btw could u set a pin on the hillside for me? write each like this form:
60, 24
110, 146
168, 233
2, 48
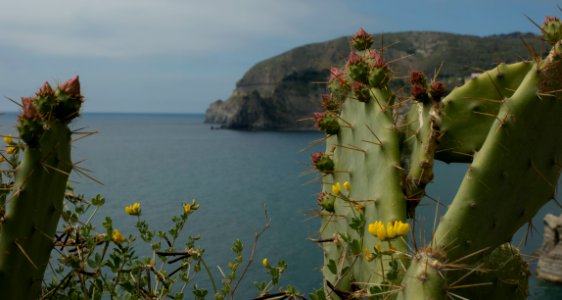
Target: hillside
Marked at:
278, 93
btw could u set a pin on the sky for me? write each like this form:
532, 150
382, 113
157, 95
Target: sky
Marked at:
178, 56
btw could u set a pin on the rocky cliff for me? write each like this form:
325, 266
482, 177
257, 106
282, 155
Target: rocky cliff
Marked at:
282, 92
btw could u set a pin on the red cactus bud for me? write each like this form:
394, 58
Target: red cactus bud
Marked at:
418, 91
320, 197
28, 112
354, 59
378, 62
437, 90
362, 40
549, 19
357, 85
337, 75
552, 30
71, 87
45, 90
318, 116
417, 77
316, 156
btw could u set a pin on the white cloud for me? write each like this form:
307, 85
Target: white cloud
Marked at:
145, 27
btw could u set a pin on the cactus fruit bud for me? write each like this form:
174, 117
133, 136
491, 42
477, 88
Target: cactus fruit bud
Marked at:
329, 103
322, 162
28, 109
437, 90
326, 201
337, 75
69, 100
358, 68
71, 87
362, 40
552, 30
378, 62
419, 92
30, 127
417, 77
45, 91
360, 91
326, 122
337, 84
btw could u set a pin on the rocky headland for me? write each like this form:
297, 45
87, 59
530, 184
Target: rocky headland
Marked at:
282, 92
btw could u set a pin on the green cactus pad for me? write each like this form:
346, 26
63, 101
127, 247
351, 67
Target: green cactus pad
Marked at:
514, 173
366, 154
470, 110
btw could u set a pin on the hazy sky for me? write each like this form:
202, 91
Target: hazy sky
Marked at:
180, 55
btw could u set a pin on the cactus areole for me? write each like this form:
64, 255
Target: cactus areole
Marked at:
35, 203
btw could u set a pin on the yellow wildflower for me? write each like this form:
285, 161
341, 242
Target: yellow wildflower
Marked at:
347, 185
187, 208
8, 139
374, 227
368, 255
378, 247
336, 188
133, 209
381, 233
117, 237
11, 150
265, 262
402, 228
390, 230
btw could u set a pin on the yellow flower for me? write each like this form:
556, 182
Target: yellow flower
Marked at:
402, 228
187, 208
117, 237
11, 150
133, 209
265, 262
381, 233
374, 227
336, 188
378, 247
368, 255
347, 185
8, 139
390, 230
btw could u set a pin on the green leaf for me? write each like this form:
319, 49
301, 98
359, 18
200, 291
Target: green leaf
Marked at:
332, 266
98, 200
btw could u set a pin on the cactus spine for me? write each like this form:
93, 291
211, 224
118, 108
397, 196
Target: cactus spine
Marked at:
34, 206
505, 123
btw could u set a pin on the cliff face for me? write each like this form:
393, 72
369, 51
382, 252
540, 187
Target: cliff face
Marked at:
282, 92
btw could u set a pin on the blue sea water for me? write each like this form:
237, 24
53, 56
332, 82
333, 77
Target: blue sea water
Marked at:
164, 160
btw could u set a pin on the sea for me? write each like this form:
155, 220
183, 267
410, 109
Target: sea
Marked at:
242, 180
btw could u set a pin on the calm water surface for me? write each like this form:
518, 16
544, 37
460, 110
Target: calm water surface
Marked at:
162, 161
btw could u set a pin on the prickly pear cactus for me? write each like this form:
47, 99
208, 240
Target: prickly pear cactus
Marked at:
33, 207
505, 123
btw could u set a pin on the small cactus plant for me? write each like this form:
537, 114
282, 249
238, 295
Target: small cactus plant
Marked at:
34, 206
505, 123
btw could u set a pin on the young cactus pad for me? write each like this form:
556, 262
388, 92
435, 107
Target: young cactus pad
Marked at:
34, 206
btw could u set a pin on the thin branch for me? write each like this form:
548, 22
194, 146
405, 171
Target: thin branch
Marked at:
252, 253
